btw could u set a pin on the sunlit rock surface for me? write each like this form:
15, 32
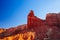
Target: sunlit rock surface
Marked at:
2, 30
35, 29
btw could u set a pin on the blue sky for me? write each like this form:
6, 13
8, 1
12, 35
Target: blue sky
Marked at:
14, 12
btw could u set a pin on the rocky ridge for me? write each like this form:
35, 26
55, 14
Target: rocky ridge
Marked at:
35, 29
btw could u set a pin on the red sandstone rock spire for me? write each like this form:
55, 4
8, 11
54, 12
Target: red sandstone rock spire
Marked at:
30, 18
33, 21
31, 13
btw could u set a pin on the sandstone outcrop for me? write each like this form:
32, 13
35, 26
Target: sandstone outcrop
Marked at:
2, 30
35, 29
53, 19
33, 20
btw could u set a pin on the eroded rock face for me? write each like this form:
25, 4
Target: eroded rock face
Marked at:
2, 30
35, 29
33, 20
58, 16
53, 19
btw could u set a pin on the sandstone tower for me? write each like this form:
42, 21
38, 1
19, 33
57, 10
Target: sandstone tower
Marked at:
33, 21
30, 19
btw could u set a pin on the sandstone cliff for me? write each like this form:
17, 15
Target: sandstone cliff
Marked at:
35, 29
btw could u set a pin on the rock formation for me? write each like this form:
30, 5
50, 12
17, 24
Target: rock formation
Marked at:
35, 29
33, 20
53, 19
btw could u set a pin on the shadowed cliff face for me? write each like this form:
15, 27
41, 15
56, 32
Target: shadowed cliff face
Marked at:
35, 29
